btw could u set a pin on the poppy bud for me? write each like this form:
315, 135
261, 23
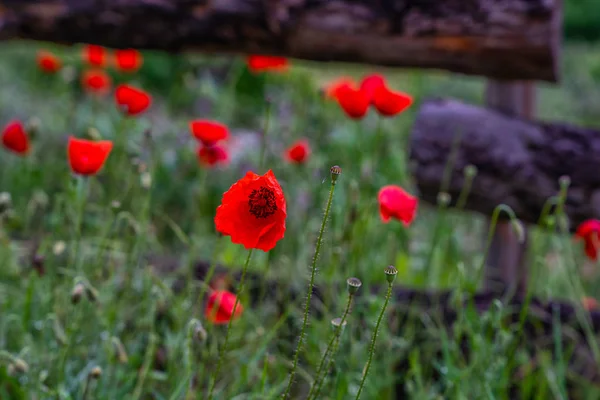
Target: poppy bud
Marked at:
146, 180
470, 171
59, 247
91, 292
390, 273
119, 350
59, 332
519, 230
200, 333
5, 202
337, 322
96, 372
18, 366
336, 171
77, 293
564, 182
353, 285
443, 199
32, 127
93, 133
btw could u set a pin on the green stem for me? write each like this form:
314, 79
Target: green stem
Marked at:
263, 147
81, 194
319, 380
149, 357
313, 272
224, 347
374, 339
211, 271
189, 358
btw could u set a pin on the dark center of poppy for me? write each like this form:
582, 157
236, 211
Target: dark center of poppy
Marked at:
262, 202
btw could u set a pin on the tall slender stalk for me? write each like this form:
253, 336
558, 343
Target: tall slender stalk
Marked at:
224, 347
335, 173
390, 274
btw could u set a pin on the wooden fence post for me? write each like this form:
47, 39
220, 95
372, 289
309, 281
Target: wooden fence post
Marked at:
506, 267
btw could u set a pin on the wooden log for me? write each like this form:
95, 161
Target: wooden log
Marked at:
506, 260
516, 39
519, 161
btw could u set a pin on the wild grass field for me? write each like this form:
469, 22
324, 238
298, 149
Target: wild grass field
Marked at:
99, 296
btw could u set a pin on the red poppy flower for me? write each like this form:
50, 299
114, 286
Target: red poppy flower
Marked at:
589, 231
87, 157
590, 303
48, 62
132, 101
219, 308
257, 63
128, 60
94, 55
331, 90
209, 132
298, 153
370, 83
253, 212
96, 81
389, 103
396, 203
14, 138
354, 102
212, 155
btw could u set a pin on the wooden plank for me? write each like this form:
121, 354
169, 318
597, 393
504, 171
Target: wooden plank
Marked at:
519, 161
514, 39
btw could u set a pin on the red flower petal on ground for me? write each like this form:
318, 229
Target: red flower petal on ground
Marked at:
131, 100
589, 231
48, 62
14, 138
94, 55
253, 212
96, 81
395, 202
354, 102
298, 153
219, 308
87, 157
370, 83
389, 103
258, 63
209, 132
332, 89
128, 60
212, 155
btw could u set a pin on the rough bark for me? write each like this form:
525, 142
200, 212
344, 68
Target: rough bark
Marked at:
517, 39
519, 162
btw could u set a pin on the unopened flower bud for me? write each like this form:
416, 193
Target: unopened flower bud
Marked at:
96, 372
119, 349
200, 333
336, 171
19, 366
443, 199
5, 202
38, 264
77, 293
59, 247
146, 180
337, 322
94, 133
564, 182
390, 273
353, 285
91, 292
32, 127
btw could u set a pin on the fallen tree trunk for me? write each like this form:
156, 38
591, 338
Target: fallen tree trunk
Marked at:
516, 39
519, 162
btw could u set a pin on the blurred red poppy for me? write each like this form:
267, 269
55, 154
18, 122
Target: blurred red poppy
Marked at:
396, 203
298, 153
389, 103
212, 155
208, 132
131, 100
219, 307
258, 63
253, 212
354, 102
128, 60
95, 55
87, 157
589, 231
96, 81
331, 90
48, 62
590, 303
370, 83
14, 138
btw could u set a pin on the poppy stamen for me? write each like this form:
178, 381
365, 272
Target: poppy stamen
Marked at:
262, 202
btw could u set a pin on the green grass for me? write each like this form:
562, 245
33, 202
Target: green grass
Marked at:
125, 223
